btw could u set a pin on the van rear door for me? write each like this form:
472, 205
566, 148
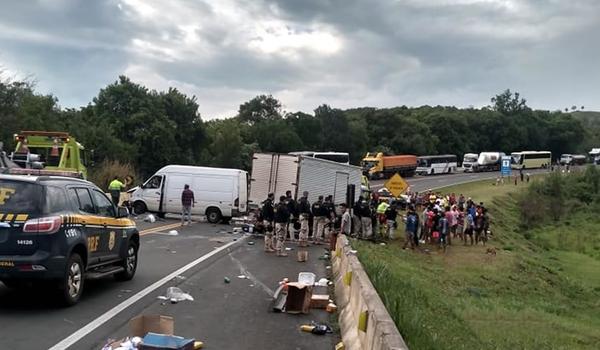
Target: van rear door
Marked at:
242, 195
19, 201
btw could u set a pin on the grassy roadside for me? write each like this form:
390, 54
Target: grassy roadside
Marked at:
531, 295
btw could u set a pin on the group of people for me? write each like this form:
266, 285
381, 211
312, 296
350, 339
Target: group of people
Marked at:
430, 218
282, 220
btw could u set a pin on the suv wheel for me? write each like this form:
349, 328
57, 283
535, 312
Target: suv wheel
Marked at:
72, 283
213, 215
129, 264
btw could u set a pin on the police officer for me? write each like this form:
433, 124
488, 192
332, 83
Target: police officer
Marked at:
115, 188
268, 215
282, 219
293, 210
365, 219
304, 212
319, 220
329, 216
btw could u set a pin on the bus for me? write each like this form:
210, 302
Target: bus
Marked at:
531, 159
338, 157
442, 164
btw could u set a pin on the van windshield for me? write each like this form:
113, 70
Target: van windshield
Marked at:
18, 197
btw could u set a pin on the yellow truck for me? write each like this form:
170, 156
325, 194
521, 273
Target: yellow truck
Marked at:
379, 166
47, 153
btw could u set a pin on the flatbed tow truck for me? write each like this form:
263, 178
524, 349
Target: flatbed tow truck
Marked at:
44, 153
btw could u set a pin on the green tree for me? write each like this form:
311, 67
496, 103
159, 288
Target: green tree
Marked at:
260, 108
508, 103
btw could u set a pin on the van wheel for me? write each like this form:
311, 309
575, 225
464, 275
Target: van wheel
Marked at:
432, 171
72, 283
139, 208
213, 215
129, 264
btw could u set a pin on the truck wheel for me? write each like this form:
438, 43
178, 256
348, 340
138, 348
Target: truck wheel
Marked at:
213, 215
432, 171
72, 283
139, 208
129, 263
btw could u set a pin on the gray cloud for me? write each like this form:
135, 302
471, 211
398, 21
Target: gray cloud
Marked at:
346, 53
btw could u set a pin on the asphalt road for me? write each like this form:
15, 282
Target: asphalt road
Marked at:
223, 316
424, 183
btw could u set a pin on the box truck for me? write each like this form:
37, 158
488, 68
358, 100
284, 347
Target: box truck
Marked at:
379, 166
218, 193
278, 173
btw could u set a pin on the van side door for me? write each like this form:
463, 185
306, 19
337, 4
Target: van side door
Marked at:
152, 193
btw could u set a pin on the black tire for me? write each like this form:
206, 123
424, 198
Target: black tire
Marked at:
139, 208
129, 263
161, 215
213, 215
71, 286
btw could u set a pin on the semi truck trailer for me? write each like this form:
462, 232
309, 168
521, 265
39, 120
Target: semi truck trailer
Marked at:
379, 166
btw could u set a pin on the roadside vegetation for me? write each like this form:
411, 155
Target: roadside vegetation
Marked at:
540, 291
147, 129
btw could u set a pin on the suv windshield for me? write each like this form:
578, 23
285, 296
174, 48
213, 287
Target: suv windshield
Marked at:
19, 197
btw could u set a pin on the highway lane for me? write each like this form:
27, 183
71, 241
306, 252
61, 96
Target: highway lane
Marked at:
424, 183
223, 315
31, 319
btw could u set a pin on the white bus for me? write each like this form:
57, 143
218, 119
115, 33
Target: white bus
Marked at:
531, 159
338, 157
442, 164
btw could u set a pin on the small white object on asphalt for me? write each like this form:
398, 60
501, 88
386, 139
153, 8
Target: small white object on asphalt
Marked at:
175, 295
328, 267
173, 233
323, 282
150, 218
242, 276
288, 248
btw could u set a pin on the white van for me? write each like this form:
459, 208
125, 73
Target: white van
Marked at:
219, 193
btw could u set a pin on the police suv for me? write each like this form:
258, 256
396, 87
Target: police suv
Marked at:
62, 230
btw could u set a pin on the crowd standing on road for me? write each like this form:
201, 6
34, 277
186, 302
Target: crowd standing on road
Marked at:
431, 218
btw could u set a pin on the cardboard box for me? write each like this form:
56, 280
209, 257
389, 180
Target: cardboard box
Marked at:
319, 301
140, 325
298, 298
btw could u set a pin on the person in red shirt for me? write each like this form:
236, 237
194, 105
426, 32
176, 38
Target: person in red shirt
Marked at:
187, 202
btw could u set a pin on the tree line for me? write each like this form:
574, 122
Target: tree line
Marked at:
131, 124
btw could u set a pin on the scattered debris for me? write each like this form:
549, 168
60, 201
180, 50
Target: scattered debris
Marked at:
316, 328
150, 218
242, 277
302, 256
328, 267
226, 280
319, 301
175, 295
323, 282
331, 308
382, 243
250, 242
307, 278
288, 248
179, 277
173, 233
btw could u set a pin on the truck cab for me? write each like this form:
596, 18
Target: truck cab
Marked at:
469, 161
372, 164
48, 153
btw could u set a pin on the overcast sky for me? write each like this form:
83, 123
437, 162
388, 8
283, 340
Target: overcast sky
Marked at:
345, 53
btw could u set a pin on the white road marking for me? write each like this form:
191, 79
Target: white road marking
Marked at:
90, 327
251, 277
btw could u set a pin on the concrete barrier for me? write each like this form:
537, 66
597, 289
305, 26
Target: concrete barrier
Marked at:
364, 321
